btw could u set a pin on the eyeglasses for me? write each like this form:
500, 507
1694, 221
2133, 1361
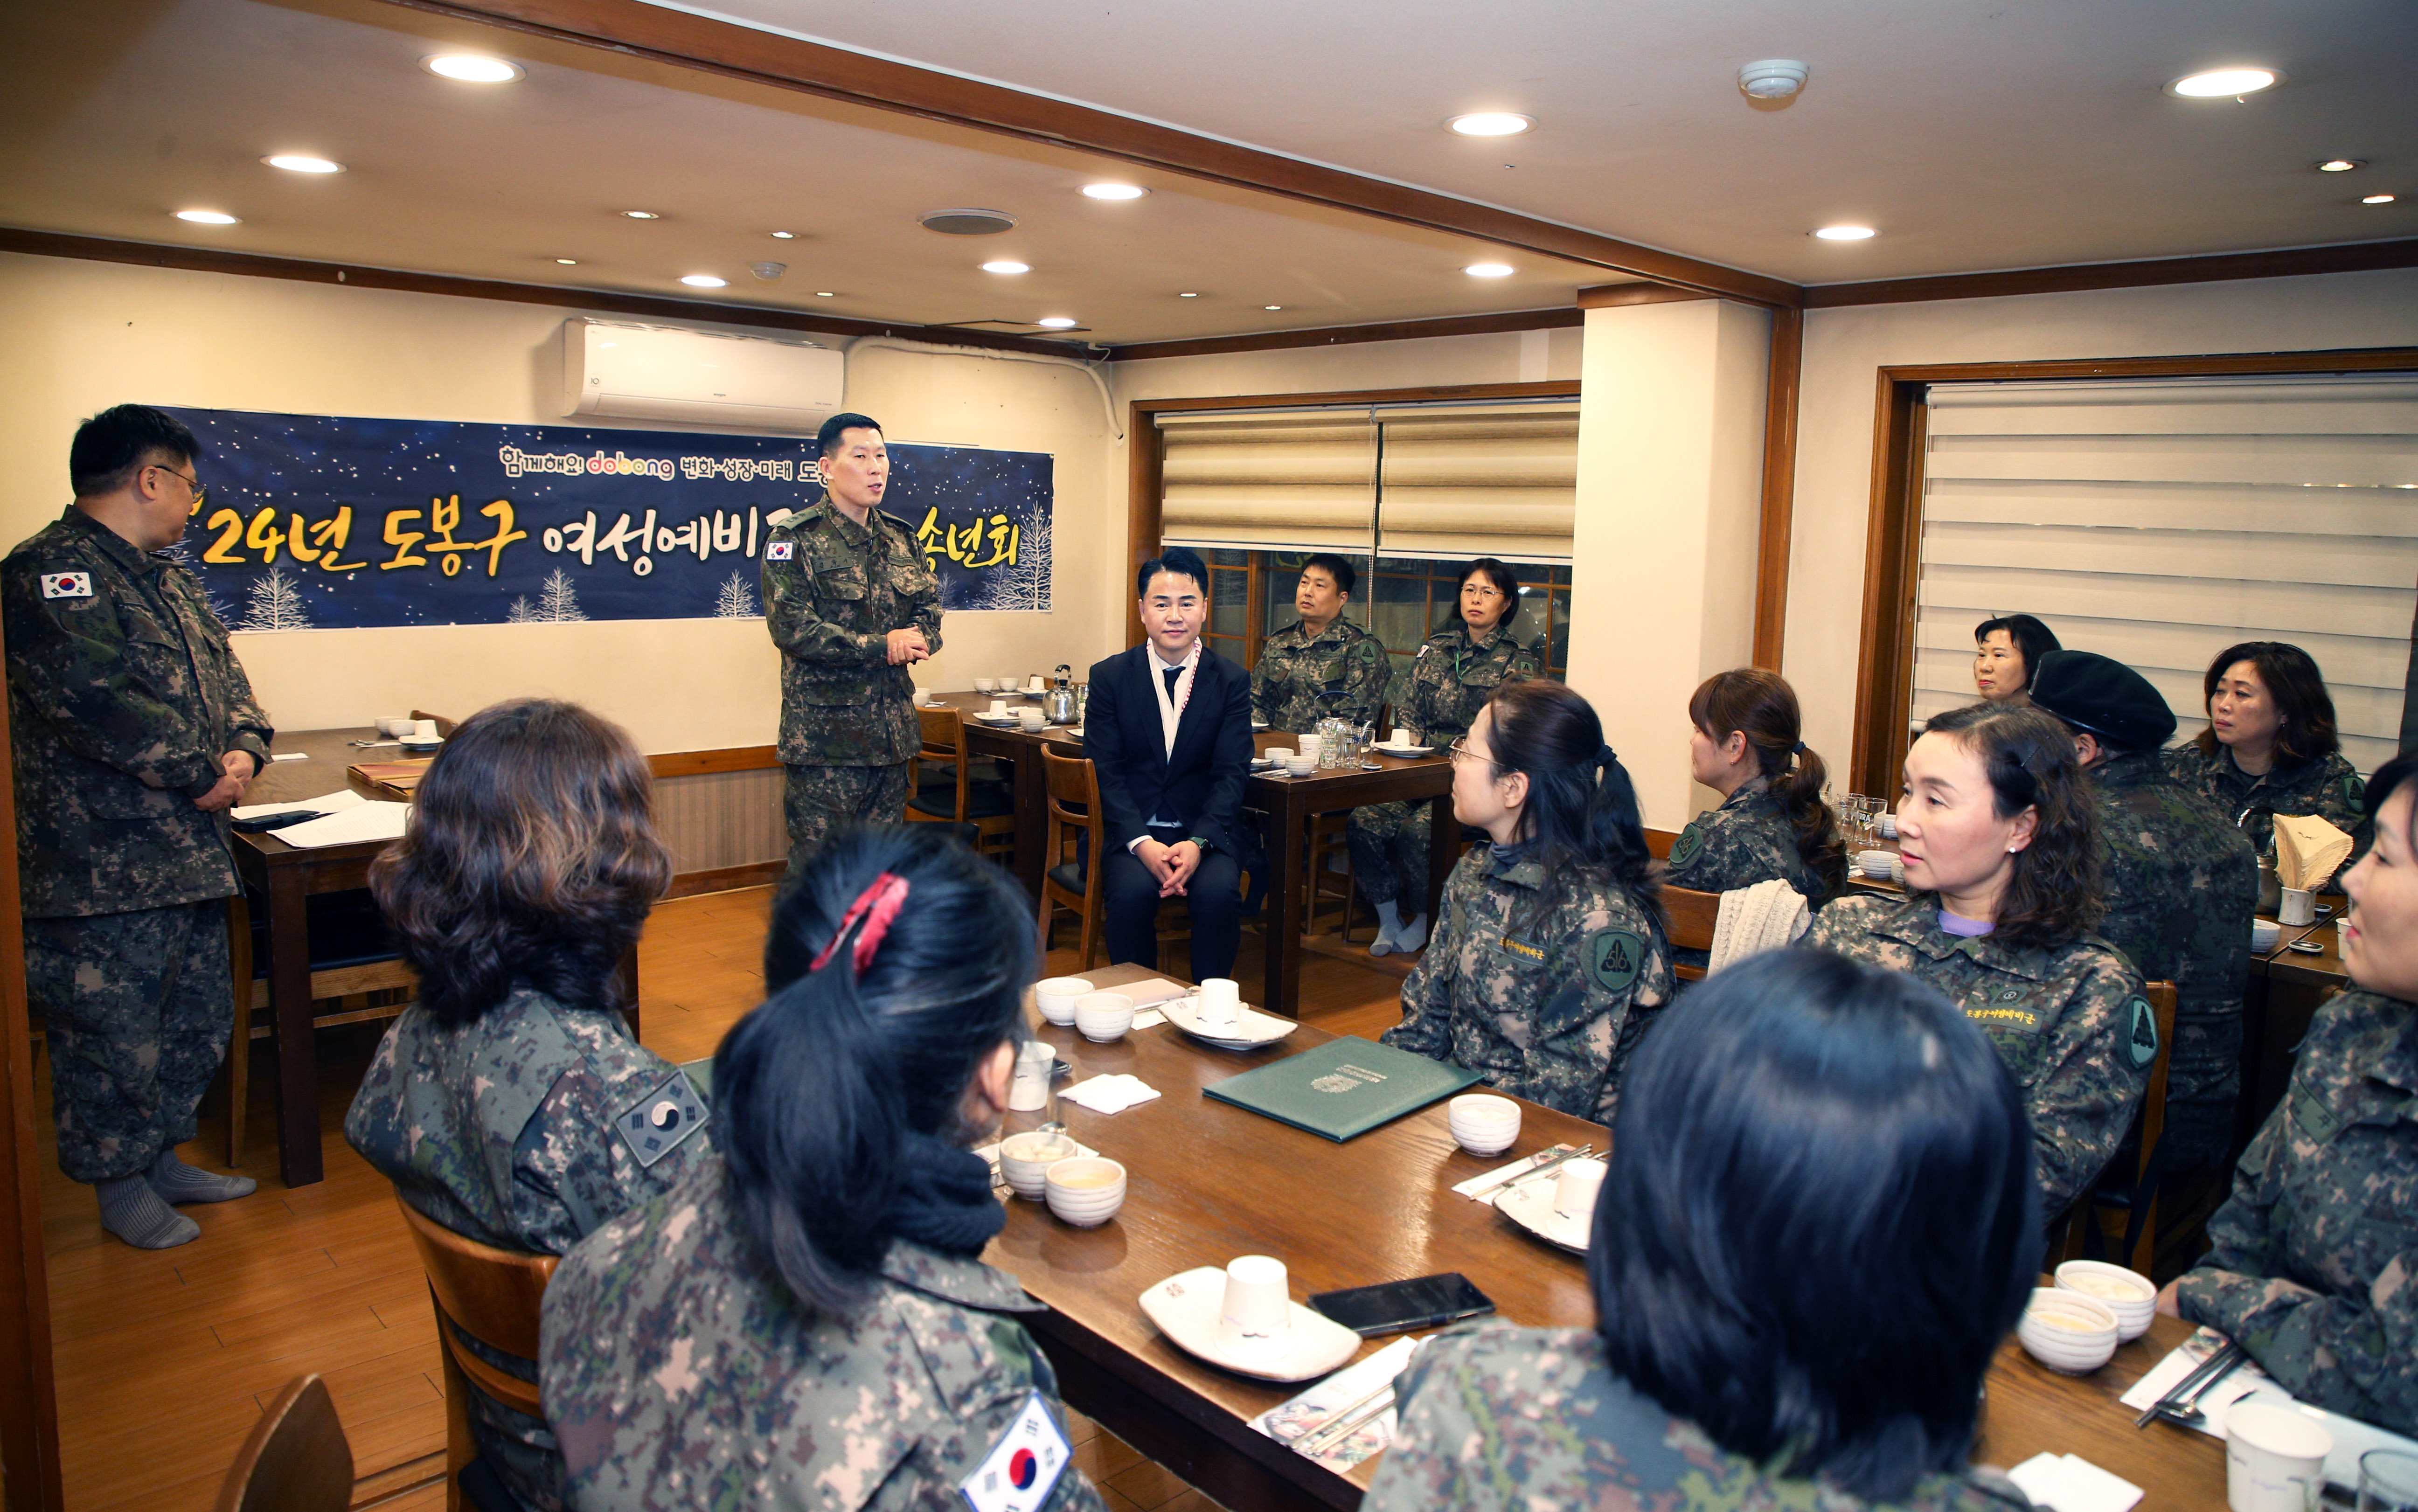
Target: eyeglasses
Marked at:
199, 491
1479, 590
1460, 751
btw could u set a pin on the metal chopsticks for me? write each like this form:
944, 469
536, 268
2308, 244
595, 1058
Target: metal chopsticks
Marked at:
1538, 1164
2204, 1375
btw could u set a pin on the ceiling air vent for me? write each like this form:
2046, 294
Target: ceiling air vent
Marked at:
966, 223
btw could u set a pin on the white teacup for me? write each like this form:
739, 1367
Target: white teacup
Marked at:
1056, 997
1257, 1317
391, 725
1279, 753
1575, 1189
425, 729
1025, 1160
2298, 906
999, 707
1033, 719
1104, 1016
1309, 743
1401, 736
1221, 1002
984, 684
2274, 1458
1085, 1190
1034, 683
1483, 1123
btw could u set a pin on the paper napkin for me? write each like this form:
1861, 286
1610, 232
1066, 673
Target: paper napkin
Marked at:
1289, 1422
2073, 1484
2307, 849
1111, 1094
1149, 1019
323, 804
1477, 1189
1158, 990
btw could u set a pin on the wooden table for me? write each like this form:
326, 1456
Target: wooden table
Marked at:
1208, 1182
1290, 803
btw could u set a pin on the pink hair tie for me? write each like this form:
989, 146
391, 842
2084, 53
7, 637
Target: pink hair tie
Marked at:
877, 906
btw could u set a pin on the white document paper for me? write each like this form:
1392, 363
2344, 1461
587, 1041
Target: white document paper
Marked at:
342, 798
349, 826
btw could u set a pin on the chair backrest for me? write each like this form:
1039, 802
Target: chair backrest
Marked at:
1694, 916
943, 732
491, 1294
297, 1457
1074, 786
2153, 1102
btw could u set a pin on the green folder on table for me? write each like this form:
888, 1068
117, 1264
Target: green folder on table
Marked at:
1343, 1088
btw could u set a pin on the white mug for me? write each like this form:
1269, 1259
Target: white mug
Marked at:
1257, 1317
1403, 736
1221, 1002
1310, 743
1575, 1189
2299, 906
2274, 1458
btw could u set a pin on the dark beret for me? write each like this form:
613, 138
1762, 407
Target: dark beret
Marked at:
2103, 697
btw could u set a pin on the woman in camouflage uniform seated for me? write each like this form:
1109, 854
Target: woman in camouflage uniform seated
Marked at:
1747, 744
2000, 834
807, 1321
2312, 1265
1455, 672
511, 1104
1819, 1224
1550, 958
2270, 747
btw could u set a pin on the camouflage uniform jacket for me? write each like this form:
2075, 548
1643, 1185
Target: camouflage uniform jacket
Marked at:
122, 697
511, 1130
1498, 1418
2070, 1023
1453, 676
2328, 786
680, 1372
1745, 841
833, 591
2315, 1268
1544, 995
1341, 673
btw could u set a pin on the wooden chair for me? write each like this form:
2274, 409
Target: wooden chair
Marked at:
1320, 885
988, 806
1067, 882
348, 965
2113, 1219
492, 1295
1694, 916
297, 1457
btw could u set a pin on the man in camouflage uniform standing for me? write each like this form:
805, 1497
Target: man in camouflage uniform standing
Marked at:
133, 730
851, 605
1323, 665
2181, 884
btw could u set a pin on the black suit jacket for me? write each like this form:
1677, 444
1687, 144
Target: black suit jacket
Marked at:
1202, 785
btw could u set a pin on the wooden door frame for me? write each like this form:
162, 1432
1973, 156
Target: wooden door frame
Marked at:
1893, 533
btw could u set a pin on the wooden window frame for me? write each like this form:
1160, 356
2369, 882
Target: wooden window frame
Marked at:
1893, 535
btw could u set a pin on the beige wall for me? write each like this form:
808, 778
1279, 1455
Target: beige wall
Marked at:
1845, 348
83, 336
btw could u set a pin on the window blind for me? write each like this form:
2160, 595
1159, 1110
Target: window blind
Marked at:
2159, 521
1478, 481
1301, 480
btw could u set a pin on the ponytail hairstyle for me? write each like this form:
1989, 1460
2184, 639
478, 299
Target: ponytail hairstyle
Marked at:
2054, 897
1763, 707
1582, 809
531, 858
896, 966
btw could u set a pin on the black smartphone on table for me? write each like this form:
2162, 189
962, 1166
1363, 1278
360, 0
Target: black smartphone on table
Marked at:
1398, 1306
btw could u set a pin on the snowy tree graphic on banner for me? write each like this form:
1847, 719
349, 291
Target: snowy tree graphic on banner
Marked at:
1023, 584
276, 605
558, 602
737, 599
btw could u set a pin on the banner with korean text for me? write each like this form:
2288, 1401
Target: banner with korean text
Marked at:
321, 522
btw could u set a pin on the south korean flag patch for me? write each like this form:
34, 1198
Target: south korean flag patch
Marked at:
67, 584
661, 1122
779, 550
1023, 1467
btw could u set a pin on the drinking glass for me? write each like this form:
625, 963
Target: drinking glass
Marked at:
2388, 1481
1362, 739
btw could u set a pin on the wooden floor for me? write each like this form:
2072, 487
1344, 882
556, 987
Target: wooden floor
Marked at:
165, 1358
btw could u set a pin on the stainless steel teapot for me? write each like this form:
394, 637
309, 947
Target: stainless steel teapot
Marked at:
1058, 703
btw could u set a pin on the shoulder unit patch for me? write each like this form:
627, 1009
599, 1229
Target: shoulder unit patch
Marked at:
1613, 958
2141, 1039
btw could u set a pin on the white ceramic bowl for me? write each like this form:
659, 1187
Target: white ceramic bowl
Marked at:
2130, 1296
1056, 997
1482, 1123
2082, 1340
1300, 766
1025, 1174
2264, 933
1278, 754
1085, 1206
1103, 1016
984, 684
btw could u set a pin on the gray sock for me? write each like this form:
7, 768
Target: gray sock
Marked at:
135, 1213
176, 1182
1412, 936
1389, 923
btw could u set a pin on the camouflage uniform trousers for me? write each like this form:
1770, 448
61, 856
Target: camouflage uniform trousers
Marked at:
138, 1008
819, 801
1389, 843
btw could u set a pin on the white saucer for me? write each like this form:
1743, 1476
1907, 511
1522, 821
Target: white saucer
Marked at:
1263, 763
1250, 1031
1531, 1208
1186, 1307
1403, 750
1259, 724
995, 718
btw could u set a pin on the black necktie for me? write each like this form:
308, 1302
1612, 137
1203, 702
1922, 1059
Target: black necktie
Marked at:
1172, 673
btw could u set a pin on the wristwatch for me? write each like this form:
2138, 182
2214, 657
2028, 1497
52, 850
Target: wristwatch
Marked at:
1201, 840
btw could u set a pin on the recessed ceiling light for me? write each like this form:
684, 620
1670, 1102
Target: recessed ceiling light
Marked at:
469, 67
1270, 307
295, 163
1491, 123
703, 280
1114, 191
1845, 233
568, 262
1006, 265
2220, 84
2341, 165
642, 215
208, 217
1056, 322
1190, 294
1489, 270
785, 236
2377, 199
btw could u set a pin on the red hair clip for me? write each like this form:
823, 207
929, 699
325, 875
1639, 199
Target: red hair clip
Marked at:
877, 906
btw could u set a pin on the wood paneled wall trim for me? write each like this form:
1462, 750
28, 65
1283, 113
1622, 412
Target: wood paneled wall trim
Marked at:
699, 763
694, 41
2352, 257
1901, 414
1613, 296
351, 276
1392, 330
1779, 487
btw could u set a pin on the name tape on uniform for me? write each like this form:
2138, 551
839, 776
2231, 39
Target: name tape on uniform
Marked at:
1023, 1467
67, 584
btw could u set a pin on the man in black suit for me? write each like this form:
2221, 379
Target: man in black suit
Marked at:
1169, 732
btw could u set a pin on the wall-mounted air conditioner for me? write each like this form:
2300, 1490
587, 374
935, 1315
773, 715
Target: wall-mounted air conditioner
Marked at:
662, 372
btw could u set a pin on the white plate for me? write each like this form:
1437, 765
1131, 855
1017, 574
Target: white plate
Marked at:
995, 718
1248, 1033
1403, 750
1531, 1208
1259, 724
1184, 1307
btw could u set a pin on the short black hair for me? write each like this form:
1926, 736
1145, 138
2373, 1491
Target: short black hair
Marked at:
1179, 559
1820, 1219
1345, 576
110, 447
2032, 638
827, 440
